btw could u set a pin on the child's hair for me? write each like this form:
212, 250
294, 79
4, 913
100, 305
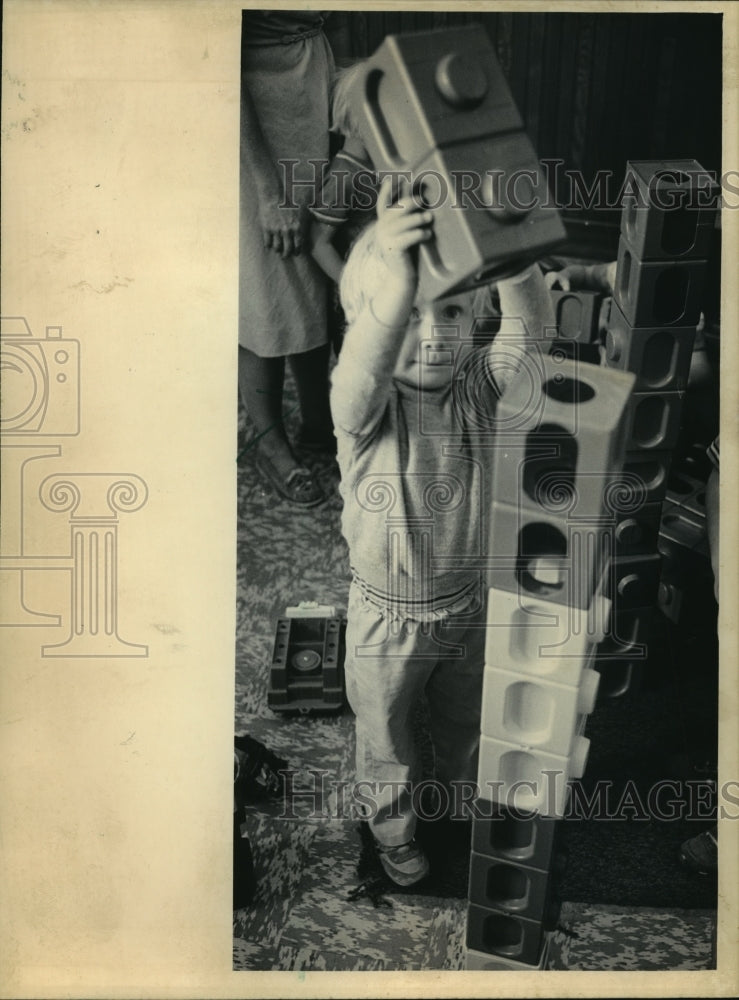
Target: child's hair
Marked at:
358, 275
341, 105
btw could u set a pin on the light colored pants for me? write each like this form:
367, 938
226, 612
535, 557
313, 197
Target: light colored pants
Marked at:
389, 666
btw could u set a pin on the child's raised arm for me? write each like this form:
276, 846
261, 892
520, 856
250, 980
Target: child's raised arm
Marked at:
527, 312
381, 282
324, 252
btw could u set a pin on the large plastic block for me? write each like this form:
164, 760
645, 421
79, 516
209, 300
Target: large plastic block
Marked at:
517, 837
527, 778
480, 961
424, 90
658, 293
436, 104
541, 638
632, 581
307, 671
683, 542
659, 356
636, 533
669, 209
512, 888
505, 934
619, 678
688, 493
684, 528
670, 599
645, 475
474, 244
544, 555
653, 420
576, 315
533, 712
628, 635
561, 436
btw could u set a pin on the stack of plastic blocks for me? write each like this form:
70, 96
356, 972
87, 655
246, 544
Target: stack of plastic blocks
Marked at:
683, 541
551, 529
667, 225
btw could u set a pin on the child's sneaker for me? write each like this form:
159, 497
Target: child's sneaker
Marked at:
405, 864
700, 853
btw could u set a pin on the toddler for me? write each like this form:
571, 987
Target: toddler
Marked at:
414, 432
349, 191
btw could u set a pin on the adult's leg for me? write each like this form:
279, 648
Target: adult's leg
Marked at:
260, 384
310, 370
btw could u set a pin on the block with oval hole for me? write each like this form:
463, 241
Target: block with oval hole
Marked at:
542, 638
533, 712
576, 315
517, 837
653, 420
506, 935
511, 888
684, 530
543, 555
528, 778
645, 473
437, 105
689, 494
658, 356
637, 532
658, 293
669, 209
628, 634
561, 434
430, 89
632, 581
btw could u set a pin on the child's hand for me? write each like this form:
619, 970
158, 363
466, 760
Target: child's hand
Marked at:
579, 277
401, 225
568, 279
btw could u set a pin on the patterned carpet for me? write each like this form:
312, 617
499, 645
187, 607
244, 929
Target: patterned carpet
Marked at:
307, 865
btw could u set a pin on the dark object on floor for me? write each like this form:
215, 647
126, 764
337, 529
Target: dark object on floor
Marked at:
307, 672
257, 772
244, 879
298, 487
700, 853
257, 777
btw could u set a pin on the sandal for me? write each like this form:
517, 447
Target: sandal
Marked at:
298, 487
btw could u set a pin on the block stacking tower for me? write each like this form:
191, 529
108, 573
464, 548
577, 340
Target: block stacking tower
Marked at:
551, 533
436, 106
667, 225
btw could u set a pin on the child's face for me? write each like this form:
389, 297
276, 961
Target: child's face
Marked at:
439, 333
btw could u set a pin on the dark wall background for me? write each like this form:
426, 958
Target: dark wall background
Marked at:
595, 90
